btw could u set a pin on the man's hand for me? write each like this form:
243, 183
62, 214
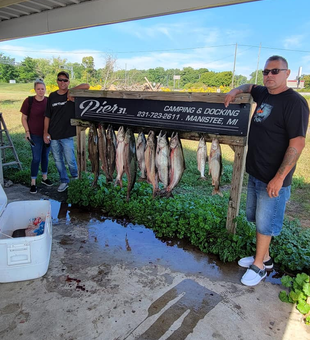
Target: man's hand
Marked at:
231, 96
47, 138
69, 97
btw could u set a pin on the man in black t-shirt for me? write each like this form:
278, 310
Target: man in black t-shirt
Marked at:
276, 140
58, 130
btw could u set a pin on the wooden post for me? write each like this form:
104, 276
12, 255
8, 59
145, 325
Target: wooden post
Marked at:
81, 154
236, 187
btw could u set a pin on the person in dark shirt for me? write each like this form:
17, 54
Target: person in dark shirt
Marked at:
276, 139
33, 109
58, 130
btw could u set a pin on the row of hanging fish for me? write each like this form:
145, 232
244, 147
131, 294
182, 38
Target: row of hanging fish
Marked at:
215, 162
157, 159
160, 161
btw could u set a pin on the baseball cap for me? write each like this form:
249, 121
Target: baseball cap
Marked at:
63, 73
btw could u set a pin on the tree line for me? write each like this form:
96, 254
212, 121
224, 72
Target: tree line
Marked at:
189, 78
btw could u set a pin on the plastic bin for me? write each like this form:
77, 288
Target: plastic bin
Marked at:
23, 258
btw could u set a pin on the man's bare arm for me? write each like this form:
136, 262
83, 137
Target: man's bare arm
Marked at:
292, 154
231, 95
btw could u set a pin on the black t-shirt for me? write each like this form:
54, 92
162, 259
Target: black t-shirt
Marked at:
277, 119
60, 111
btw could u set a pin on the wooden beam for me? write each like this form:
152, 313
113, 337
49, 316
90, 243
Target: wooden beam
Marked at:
169, 96
236, 188
81, 149
229, 140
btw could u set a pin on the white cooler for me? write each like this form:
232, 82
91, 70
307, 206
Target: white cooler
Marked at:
23, 258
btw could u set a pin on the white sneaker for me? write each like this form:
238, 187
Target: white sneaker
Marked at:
246, 262
62, 187
253, 276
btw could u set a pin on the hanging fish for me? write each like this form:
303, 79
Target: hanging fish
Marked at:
120, 145
149, 156
130, 160
102, 146
215, 166
177, 164
93, 152
202, 157
111, 153
140, 147
162, 158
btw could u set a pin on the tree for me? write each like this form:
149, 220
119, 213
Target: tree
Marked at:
240, 80
89, 65
259, 78
156, 75
78, 70
189, 75
8, 69
43, 67
106, 75
306, 78
208, 78
27, 70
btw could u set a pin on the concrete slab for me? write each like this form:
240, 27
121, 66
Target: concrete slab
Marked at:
112, 282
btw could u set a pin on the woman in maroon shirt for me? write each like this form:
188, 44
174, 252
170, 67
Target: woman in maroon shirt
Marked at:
33, 122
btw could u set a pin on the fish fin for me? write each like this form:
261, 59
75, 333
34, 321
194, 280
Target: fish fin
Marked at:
217, 192
118, 182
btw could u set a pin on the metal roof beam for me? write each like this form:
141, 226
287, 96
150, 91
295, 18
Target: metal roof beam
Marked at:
96, 13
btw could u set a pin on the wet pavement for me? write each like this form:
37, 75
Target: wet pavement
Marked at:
111, 280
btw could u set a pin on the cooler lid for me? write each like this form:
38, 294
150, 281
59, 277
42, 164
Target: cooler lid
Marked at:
3, 200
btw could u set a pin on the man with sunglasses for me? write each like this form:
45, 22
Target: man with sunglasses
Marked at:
276, 139
58, 130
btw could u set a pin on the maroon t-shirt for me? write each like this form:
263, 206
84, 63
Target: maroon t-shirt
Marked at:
36, 116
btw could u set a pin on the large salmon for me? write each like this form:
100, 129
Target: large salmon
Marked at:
102, 146
130, 160
140, 146
93, 153
177, 164
120, 144
149, 156
111, 153
202, 157
162, 158
215, 166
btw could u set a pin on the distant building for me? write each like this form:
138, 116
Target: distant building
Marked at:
294, 84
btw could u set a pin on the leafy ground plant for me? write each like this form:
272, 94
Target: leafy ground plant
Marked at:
299, 293
199, 219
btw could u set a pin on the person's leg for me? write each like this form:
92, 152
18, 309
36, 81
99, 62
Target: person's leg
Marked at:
269, 219
36, 157
255, 193
262, 250
68, 148
44, 160
57, 151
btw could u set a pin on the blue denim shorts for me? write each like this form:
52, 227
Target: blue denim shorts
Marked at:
266, 212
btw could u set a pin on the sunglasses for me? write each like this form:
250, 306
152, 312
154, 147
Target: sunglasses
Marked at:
64, 80
273, 71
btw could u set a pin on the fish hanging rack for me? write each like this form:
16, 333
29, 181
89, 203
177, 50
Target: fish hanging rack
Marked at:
191, 114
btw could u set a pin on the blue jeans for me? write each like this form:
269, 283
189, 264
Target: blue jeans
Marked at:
39, 155
63, 149
266, 212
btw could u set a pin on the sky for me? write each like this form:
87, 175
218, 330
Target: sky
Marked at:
244, 35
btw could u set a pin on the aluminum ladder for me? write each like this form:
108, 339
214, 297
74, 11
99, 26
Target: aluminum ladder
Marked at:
6, 143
